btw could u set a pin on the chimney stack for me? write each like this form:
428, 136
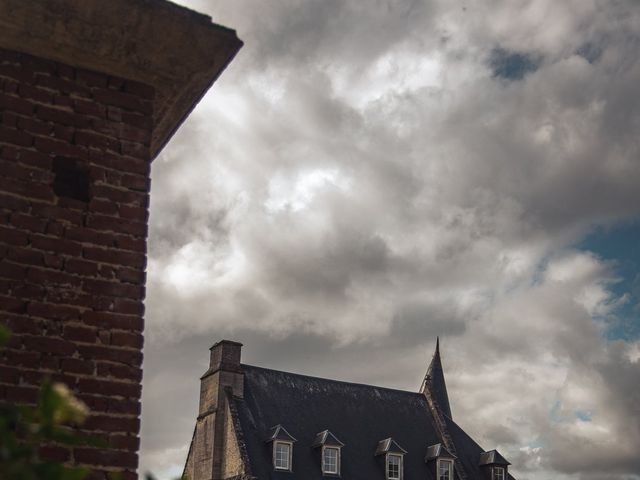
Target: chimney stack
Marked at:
224, 373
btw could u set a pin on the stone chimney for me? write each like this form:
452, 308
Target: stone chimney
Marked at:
224, 373
206, 459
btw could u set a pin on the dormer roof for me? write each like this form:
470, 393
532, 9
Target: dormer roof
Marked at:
492, 457
280, 433
389, 445
326, 439
437, 451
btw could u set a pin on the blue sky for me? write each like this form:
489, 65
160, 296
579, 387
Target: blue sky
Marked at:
620, 245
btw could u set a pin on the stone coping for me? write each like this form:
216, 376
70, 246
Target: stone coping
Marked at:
177, 51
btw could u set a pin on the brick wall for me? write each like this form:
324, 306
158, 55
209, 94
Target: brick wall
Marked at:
74, 183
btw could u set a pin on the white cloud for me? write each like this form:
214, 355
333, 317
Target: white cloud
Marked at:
358, 182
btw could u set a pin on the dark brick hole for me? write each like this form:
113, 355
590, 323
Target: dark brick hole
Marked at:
71, 179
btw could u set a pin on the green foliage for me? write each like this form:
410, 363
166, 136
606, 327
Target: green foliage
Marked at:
24, 428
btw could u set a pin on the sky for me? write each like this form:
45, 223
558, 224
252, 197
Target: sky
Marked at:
366, 176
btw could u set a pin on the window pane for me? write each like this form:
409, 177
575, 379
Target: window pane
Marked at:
282, 453
393, 466
444, 472
330, 460
498, 473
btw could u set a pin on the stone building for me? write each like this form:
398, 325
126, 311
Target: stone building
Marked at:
257, 423
90, 92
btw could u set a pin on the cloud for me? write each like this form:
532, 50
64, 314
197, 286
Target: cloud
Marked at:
361, 179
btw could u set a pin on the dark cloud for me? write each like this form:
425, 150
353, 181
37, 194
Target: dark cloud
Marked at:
360, 180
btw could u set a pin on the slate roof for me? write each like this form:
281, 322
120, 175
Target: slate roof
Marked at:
359, 415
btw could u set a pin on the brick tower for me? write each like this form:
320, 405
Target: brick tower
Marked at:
90, 92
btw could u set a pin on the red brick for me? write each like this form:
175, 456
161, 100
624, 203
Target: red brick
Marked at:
123, 100
127, 339
62, 101
57, 213
131, 275
81, 267
89, 107
97, 352
55, 229
62, 85
112, 424
25, 173
59, 147
21, 394
75, 365
12, 305
95, 140
64, 247
102, 206
54, 453
49, 345
28, 222
124, 442
10, 375
107, 458
28, 291
113, 320
22, 324
120, 195
34, 126
57, 312
136, 182
23, 359
25, 256
52, 277
13, 203
126, 242
63, 133
116, 289
17, 137
36, 159
125, 407
10, 119
80, 334
15, 104
12, 270
13, 236
118, 225
109, 387
115, 257
35, 93
60, 116
26, 189
86, 235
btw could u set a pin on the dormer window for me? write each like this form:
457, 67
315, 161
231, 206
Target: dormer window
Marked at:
331, 460
394, 466
282, 448
440, 459
394, 457
330, 448
282, 455
445, 469
494, 465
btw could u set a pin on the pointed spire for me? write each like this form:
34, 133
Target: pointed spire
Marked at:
434, 381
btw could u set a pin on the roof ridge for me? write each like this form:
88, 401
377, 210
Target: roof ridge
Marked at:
344, 382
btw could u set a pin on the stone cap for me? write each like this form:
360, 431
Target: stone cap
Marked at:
177, 51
